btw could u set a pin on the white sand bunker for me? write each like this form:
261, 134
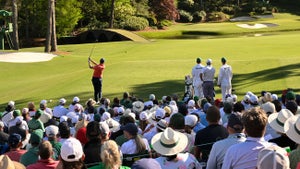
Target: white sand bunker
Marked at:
257, 25
25, 57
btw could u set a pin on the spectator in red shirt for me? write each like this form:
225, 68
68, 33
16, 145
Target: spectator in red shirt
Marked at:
15, 144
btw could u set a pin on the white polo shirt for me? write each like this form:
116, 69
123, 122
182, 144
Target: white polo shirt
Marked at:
129, 147
244, 155
59, 111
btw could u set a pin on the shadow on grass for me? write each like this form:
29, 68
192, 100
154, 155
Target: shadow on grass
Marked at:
201, 33
170, 87
250, 79
160, 89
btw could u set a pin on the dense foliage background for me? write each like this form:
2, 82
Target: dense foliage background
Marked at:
75, 16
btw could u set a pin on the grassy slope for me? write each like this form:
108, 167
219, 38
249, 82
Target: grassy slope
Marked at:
259, 63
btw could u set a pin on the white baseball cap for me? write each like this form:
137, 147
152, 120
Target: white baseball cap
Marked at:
76, 99
71, 150
268, 107
63, 119
143, 116
274, 97
273, 157
11, 103
151, 97
160, 113
43, 102
121, 110
190, 120
1, 124
105, 116
191, 103
62, 100
51, 130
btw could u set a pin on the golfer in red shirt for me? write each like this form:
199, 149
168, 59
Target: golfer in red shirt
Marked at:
97, 77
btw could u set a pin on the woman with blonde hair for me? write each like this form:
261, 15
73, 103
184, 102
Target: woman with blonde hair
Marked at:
111, 157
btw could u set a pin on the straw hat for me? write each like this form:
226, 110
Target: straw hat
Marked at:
162, 124
277, 120
292, 128
7, 163
169, 142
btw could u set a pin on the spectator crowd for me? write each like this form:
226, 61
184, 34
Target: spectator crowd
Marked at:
196, 132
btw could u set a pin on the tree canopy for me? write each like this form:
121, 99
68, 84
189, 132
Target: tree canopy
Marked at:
74, 16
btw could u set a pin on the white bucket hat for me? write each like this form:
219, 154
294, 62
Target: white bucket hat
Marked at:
292, 128
137, 106
169, 142
277, 120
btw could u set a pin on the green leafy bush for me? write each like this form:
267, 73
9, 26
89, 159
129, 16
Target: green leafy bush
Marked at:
135, 23
186, 5
185, 16
218, 17
199, 16
164, 23
228, 10
152, 21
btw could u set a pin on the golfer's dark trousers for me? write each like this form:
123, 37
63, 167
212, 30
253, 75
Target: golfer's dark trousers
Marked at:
97, 83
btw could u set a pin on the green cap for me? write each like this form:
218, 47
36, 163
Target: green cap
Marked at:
17, 113
223, 59
39, 112
198, 60
196, 98
97, 117
290, 95
36, 136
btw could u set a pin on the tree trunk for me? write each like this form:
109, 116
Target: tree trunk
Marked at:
49, 28
53, 36
112, 11
15, 37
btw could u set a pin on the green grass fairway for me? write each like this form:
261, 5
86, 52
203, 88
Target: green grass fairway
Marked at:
268, 63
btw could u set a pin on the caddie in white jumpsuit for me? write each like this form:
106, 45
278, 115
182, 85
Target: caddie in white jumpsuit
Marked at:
224, 78
197, 82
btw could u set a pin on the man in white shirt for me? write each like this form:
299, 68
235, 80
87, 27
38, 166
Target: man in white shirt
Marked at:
235, 129
244, 155
60, 110
224, 78
8, 113
207, 76
197, 82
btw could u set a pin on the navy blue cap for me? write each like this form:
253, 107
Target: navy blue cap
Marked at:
14, 139
131, 128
